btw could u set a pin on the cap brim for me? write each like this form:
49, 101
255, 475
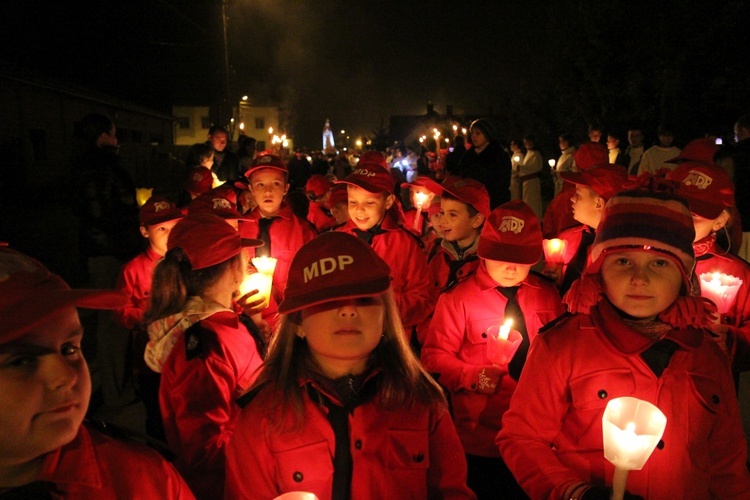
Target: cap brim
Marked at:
505, 252
163, 219
372, 188
250, 171
365, 289
575, 178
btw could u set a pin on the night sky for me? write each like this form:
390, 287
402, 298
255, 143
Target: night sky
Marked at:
360, 62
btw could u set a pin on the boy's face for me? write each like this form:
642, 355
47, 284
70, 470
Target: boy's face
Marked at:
340, 212
158, 235
367, 209
704, 227
641, 284
587, 206
46, 387
269, 187
507, 273
457, 224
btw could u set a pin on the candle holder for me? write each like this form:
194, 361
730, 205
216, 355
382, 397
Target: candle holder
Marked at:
502, 344
721, 289
142, 195
420, 199
554, 250
631, 429
261, 280
297, 495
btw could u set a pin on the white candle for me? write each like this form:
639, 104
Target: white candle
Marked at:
721, 289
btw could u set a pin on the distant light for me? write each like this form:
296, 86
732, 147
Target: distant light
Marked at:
231, 120
345, 149
285, 143
270, 130
359, 143
343, 131
447, 140
242, 125
551, 163
244, 98
719, 142
455, 127
463, 131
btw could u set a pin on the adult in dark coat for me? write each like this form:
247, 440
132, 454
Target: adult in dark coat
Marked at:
226, 163
487, 162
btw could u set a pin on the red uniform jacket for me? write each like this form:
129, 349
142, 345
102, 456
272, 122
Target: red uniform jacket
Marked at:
456, 348
135, 282
287, 233
552, 435
213, 363
406, 453
318, 218
738, 318
411, 285
97, 466
559, 213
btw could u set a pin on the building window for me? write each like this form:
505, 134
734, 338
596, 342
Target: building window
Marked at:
205, 122
183, 122
260, 123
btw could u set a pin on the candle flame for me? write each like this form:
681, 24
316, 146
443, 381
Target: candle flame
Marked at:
505, 329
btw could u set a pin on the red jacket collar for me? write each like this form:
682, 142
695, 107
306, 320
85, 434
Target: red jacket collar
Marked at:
73, 464
285, 212
630, 341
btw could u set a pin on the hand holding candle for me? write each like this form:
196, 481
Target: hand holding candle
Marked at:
721, 289
502, 343
631, 429
261, 280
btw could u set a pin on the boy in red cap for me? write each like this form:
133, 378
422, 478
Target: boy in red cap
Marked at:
157, 217
710, 195
456, 345
318, 190
592, 190
370, 192
338, 204
205, 354
199, 181
420, 195
221, 201
45, 449
342, 408
273, 222
635, 330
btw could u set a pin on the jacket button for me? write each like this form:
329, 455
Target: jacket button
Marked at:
715, 399
358, 444
298, 477
484, 335
602, 394
418, 458
660, 444
473, 386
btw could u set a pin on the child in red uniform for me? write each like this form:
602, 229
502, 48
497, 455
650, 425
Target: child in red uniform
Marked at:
45, 451
635, 331
318, 190
421, 190
157, 216
338, 204
342, 408
456, 345
370, 191
273, 222
710, 194
206, 356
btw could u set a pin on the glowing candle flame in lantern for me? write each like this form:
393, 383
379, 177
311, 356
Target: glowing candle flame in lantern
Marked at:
721, 289
551, 163
516, 158
502, 343
631, 429
554, 250
262, 280
142, 195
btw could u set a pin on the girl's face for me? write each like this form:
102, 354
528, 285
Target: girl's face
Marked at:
46, 387
641, 284
507, 273
367, 209
341, 334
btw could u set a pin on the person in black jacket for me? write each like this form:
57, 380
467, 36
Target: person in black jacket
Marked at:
487, 162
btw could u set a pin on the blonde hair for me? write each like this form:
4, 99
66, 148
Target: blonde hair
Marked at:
401, 381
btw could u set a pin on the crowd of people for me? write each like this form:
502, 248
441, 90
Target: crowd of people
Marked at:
377, 366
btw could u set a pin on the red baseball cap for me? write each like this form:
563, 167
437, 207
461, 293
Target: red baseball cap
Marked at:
702, 150
707, 188
338, 195
423, 182
199, 180
373, 158
221, 201
334, 266
606, 180
267, 161
511, 233
318, 185
207, 240
157, 210
371, 177
30, 295
591, 154
469, 191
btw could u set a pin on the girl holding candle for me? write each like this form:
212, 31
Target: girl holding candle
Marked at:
635, 330
456, 347
342, 408
710, 193
206, 356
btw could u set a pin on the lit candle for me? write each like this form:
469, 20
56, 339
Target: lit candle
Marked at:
420, 199
631, 429
142, 195
721, 289
502, 343
554, 250
262, 280
551, 163
516, 159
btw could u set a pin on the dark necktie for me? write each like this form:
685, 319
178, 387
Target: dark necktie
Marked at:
513, 310
264, 227
577, 264
369, 234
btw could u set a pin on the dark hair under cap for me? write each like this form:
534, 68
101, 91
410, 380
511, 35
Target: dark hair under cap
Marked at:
485, 127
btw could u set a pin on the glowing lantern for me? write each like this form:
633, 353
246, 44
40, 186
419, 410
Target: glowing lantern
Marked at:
262, 280
554, 250
721, 289
142, 195
502, 343
631, 429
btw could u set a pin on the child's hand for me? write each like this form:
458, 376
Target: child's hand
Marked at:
251, 303
722, 337
489, 378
